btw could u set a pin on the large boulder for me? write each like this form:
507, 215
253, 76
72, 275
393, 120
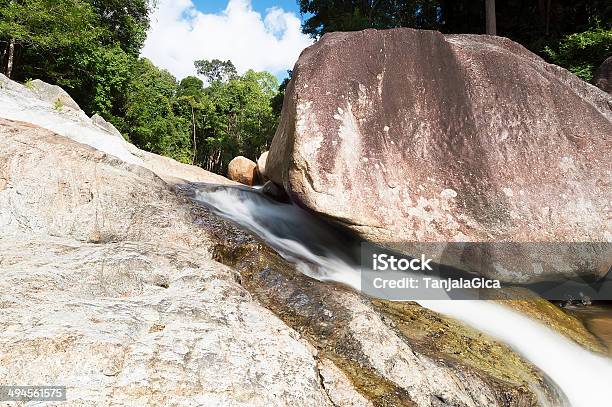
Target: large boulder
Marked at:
242, 170
603, 76
261, 167
53, 94
408, 135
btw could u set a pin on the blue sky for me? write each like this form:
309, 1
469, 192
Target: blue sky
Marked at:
263, 35
216, 6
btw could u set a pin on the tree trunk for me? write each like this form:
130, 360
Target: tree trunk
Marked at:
491, 19
547, 18
2, 57
194, 136
11, 56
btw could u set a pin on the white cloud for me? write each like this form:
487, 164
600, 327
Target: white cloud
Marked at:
180, 34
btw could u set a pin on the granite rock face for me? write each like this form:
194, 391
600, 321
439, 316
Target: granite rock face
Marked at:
107, 286
434, 138
107, 279
141, 325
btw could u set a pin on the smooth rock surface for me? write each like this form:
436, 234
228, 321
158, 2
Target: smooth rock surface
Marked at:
51, 185
54, 95
444, 138
107, 286
261, 167
109, 127
18, 102
242, 170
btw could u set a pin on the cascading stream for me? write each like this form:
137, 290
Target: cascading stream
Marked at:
325, 253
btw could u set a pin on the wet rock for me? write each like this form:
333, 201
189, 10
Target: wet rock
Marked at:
548, 314
397, 354
242, 170
434, 138
598, 319
275, 192
603, 76
339, 387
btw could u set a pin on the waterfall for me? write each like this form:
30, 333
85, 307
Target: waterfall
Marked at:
322, 252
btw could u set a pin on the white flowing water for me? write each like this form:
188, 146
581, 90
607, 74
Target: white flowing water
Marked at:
584, 377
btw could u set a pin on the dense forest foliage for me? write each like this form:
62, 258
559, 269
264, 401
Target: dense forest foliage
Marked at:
91, 48
203, 125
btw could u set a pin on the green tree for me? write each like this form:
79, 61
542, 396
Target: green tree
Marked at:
101, 89
233, 115
86, 46
45, 27
193, 103
150, 119
216, 70
571, 33
351, 15
532, 23
241, 121
191, 86
126, 22
582, 53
